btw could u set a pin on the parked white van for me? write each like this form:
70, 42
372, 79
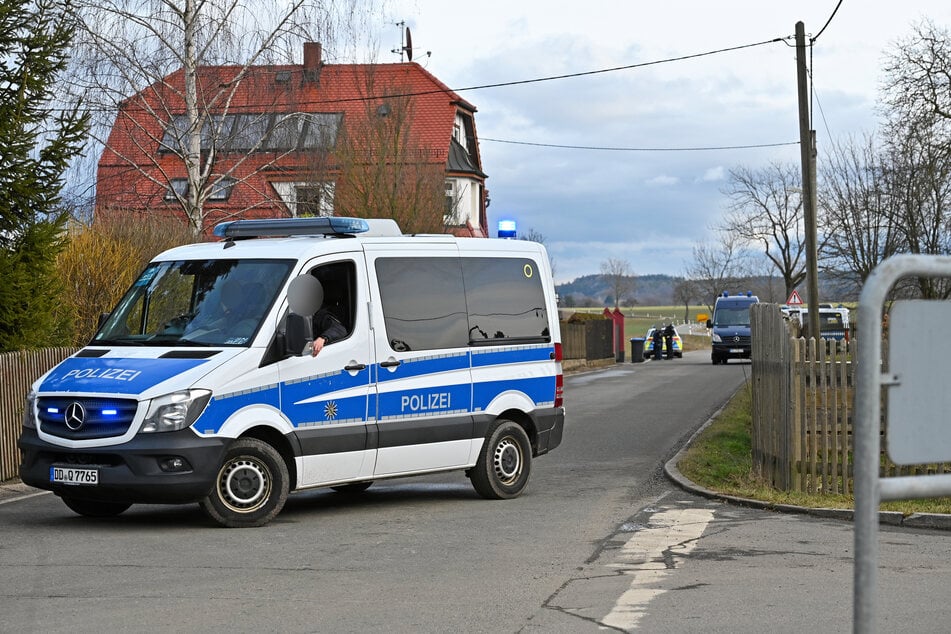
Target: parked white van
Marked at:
202, 384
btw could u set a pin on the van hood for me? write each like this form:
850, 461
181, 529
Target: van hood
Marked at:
138, 373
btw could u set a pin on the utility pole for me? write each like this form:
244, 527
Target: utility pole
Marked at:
807, 149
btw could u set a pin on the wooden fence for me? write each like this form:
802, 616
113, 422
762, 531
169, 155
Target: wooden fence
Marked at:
589, 339
18, 370
803, 394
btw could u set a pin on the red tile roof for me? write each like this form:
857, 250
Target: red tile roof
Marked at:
333, 88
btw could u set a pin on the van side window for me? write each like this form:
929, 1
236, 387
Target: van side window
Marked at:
433, 303
424, 305
506, 300
339, 282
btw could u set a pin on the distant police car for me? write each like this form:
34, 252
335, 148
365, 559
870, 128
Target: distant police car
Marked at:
451, 361
678, 344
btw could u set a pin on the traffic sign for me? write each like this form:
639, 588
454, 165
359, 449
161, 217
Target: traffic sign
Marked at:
794, 299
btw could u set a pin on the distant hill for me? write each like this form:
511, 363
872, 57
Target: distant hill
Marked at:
658, 290
596, 290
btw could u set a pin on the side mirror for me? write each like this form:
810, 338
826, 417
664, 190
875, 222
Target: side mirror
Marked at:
709, 324
299, 334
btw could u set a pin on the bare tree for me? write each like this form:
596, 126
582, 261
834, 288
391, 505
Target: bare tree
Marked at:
918, 146
766, 209
718, 266
685, 292
853, 208
145, 56
916, 74
620, 277
385, 171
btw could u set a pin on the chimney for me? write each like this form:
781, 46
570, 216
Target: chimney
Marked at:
312, 62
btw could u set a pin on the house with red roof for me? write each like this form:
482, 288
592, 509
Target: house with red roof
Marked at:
369, 140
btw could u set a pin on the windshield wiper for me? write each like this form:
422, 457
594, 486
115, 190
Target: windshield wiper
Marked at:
117, 342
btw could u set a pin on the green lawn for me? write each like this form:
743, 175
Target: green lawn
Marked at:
720, 459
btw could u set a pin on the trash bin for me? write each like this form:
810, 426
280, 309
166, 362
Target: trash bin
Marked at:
637, 349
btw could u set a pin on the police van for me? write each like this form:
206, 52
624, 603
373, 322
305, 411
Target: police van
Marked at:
730, 327
202, 385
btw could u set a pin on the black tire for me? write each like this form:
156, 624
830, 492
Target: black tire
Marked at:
94, 508
251, 487
353, 488
504, 464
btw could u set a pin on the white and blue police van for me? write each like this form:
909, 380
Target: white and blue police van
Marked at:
201, 386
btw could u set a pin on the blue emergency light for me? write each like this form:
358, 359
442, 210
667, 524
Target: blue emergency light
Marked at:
507, 229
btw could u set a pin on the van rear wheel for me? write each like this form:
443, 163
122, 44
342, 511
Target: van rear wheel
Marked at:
251, 487
504, 464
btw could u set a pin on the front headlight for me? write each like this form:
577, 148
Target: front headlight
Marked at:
29, 418
716, 338
175, 411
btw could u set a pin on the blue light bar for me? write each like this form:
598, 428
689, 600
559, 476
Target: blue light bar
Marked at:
264, 227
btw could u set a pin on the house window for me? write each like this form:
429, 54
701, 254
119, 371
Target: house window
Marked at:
449, 217
311, 201
178, 189
289, 131
221, 190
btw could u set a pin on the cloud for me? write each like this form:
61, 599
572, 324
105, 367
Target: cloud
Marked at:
652, 190
663, 180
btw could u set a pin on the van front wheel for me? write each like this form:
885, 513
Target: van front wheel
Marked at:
251, 486
504, 464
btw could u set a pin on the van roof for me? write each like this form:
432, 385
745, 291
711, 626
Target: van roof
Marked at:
299, 247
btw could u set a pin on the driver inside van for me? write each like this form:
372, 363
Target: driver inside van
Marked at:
327, 328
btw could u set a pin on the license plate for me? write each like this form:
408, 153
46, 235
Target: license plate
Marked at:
72, 475
737, 350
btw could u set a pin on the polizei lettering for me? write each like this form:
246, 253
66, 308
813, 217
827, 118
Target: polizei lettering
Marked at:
115, 374
425, 402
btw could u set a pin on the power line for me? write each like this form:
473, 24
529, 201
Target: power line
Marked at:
570, 75
641, 149
834, 11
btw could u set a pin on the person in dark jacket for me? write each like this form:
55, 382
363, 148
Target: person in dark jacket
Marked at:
658, 339
669, 340
329, 328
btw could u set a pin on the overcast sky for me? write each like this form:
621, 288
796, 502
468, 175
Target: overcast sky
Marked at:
633, 200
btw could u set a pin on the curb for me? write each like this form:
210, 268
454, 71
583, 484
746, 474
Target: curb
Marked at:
933, 521
13, 490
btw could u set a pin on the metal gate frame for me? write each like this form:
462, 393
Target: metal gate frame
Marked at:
870, 488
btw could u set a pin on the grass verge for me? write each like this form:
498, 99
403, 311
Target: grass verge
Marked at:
720, 459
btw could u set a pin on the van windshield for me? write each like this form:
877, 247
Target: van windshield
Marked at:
196, 303
739, 316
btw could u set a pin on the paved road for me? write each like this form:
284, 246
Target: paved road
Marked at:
601, 541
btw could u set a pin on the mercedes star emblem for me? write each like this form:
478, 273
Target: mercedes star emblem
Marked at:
75, 415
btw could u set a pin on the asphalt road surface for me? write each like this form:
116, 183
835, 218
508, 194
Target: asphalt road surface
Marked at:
600, 541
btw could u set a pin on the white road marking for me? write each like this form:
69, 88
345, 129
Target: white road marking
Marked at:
648, 557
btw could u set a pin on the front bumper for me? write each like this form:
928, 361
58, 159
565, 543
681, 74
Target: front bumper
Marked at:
129, 472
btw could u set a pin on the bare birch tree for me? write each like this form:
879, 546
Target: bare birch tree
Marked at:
127, 50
